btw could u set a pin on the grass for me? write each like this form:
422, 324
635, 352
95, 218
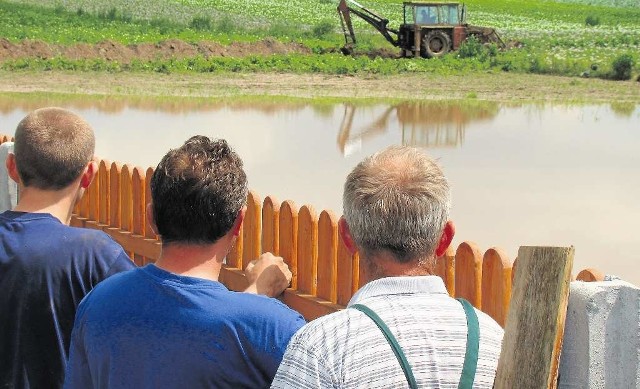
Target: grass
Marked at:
555, 36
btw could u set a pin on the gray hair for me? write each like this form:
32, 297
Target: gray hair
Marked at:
397, 201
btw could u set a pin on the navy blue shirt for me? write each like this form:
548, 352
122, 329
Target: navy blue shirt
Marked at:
149, 328
46, 268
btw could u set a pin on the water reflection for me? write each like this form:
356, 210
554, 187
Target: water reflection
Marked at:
521, 174
426, 124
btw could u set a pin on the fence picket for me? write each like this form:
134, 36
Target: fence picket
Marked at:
148, 231
496, 284
104, 188
270, 225
288, 234
114, 195
468, 273
138, 189
126, 199
327, 256
590, 275
307, 250
251, 231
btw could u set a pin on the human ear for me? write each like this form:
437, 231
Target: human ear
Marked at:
89, 174
448, 232
345, 235
237, 225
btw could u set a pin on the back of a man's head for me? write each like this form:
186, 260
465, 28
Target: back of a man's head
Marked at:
197, 191
397, 201
52, 148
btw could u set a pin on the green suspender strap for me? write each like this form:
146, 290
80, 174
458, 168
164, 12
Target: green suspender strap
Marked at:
473, 344
470, 357
408, 373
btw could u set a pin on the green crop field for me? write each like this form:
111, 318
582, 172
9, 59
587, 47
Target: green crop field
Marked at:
566, 37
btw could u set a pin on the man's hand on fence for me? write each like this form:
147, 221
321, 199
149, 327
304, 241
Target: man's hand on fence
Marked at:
267, 275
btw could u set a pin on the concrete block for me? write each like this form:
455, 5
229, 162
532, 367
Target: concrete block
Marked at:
601, 346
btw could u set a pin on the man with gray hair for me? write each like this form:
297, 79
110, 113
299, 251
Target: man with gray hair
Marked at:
401, 328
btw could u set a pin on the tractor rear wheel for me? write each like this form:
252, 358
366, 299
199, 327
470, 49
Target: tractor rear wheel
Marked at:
435, 44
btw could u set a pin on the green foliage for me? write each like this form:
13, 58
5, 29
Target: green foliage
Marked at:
112, 14
591, 20
470, 48
323, 28
201, 23
556, 36
622, 67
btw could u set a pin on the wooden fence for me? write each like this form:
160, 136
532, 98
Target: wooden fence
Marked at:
325, 274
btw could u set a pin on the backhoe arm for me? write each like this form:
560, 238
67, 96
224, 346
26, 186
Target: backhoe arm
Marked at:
379, 23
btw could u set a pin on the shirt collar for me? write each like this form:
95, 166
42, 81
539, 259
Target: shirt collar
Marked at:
399, 285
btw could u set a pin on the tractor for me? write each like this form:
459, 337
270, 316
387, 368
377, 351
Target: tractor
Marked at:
429, 29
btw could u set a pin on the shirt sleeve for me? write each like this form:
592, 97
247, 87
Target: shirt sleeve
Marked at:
120, 264
302, 368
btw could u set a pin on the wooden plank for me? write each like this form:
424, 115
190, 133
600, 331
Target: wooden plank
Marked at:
138, 208
445, 269
251, 233
289, 238
327, 256
535, 322
104, 188
114, 195
310, 307
233, 278
94, 197
126, 199
307, 250
148, 231
496, 284
590, 275
235, 254
468, 271
270, 225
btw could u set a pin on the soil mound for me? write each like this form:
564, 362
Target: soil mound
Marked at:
172, 48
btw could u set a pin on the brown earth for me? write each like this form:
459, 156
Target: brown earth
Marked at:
481, 86
505, 87
172, 48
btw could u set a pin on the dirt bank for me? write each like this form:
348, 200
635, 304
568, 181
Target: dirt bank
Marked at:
497, 87
172, 48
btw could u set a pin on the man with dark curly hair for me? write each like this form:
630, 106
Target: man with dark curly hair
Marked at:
172, 324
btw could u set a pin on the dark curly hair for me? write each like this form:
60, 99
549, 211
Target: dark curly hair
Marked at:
197, 191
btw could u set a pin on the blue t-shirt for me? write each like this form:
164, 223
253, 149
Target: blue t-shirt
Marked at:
46, 268
149, 328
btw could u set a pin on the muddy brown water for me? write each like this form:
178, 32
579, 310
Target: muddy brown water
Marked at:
521, 174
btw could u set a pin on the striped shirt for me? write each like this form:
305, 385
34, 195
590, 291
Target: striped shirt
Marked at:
347, 350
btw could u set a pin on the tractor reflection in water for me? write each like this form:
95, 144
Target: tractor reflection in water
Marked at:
422, 124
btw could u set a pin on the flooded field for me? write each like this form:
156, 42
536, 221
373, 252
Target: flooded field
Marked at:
521, 174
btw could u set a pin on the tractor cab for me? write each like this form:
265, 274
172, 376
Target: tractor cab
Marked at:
442, 14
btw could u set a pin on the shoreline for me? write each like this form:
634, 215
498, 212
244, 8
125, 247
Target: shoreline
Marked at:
498, 87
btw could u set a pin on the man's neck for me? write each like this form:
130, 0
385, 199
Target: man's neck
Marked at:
384, 265
201, 261
58, 203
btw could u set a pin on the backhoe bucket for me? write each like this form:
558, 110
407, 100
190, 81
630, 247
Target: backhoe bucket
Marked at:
486, 35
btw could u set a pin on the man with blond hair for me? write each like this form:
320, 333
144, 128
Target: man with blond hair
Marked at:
401, 329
